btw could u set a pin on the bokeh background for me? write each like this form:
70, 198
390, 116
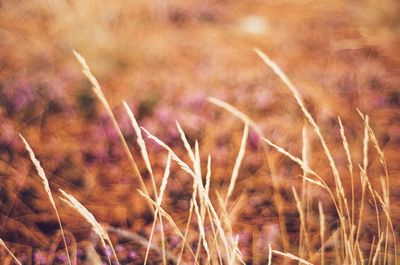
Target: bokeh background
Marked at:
165, 58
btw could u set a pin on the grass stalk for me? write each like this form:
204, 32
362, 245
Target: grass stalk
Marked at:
46, 185
100, 95
10, 252
72, 202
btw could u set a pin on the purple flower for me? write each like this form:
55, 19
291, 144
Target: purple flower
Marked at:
80, 252
254, 140
111, 132
39, 257
22, 95
378, 101
164, 115
23, 257
108, 251
133, 255
120, 248
263, 100
195, 100
97, 133
245, 237
272, 233
61, 257
55, 89
7, 135
174, 240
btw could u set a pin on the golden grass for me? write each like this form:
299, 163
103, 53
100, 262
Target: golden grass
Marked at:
385, 189
46, 185
100, 95
158, 197
350, 167
291, 256
205, 206
221, 246
303, 224
153, 59
305, 198
159, 201
186, 233
170, 221
238, 162
350, 250
269, 254
9, 252
72, 202
296, 94
322, 231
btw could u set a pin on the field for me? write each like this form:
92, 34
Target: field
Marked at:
199, 132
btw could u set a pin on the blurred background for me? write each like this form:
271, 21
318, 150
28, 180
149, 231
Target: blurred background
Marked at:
165, 57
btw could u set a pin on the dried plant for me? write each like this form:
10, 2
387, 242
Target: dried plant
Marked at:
9, 252
72, 202
46, 185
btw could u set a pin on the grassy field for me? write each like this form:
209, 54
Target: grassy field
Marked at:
199, 132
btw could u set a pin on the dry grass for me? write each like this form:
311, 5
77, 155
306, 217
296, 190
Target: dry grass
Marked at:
221, 246
322, 231
223, 194
291, 256
350, 247
46, 185
9, 252
96, 226
351, 252
99, 93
